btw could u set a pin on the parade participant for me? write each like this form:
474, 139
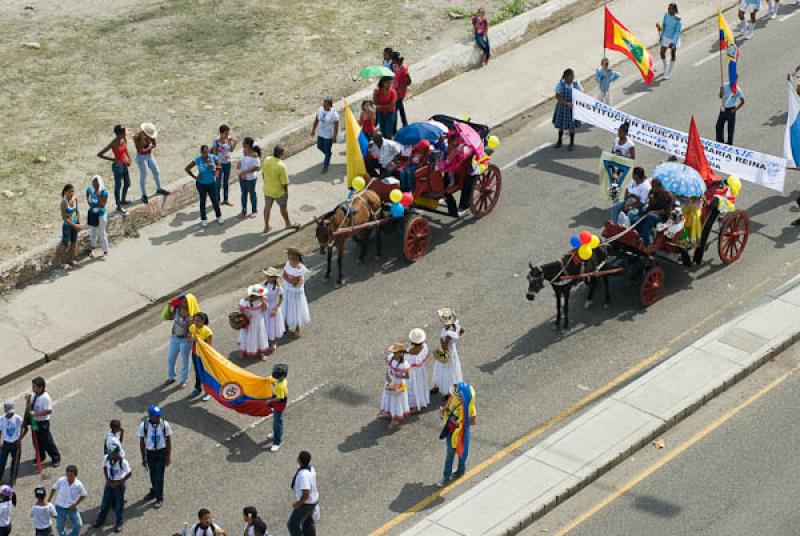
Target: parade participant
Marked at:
260, 528
367, 118
120, 163
326, 129
418, 395
381, 155
278, 402
205, 181
457, 154
114, 438
385, 99
562, 116
659, 207
199, 330
97, 218
306, 494
181, 311
419, 156
145, 141
623, 145
155, 446
40, 407
752, 7
447, 368
604, 76
205, 525
12, 431
70, 226
459, 416
394, 398
251, 520
69, 493
669, 38
253, 341
273, 314
480, 30
276, 187
8, 501
42, 513
401, 82
295, 304
222, 147
633, 204
116, 471
732, 102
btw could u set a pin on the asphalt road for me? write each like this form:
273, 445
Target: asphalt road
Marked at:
525, 373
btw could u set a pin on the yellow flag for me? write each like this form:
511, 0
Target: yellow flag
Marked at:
353, 146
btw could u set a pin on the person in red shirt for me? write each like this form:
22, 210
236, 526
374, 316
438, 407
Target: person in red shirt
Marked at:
401, 81
385, 99
367, 118
480, 28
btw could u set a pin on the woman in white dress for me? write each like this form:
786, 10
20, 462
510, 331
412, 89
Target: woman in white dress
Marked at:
394, 401
273, 315
253, 340
295, 305
447, 369
418, 395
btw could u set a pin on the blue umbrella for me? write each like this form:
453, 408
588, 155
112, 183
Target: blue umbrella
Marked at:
680, 179
416, 132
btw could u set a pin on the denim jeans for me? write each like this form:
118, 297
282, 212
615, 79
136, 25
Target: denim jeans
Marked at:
387, 123
176, 346
483, 43
74, 516
645, 228
157, 464
248, 188
210, 191
277, 427
8, 450
144, 161
301, 522
112, 498
122, 181
223, 179
325, 146
407, 178
401, 111
450, 458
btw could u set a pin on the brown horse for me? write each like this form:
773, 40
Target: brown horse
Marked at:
363, 207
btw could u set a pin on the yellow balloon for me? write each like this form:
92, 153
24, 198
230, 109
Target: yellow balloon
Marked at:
735, 184
396, 195
585, 252
464, 117
594, 242
359, 183
493, 142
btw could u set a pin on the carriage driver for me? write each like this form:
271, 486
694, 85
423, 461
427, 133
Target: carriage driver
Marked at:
631, 208
380, 161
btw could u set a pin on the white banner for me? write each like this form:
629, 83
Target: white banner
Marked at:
759, 168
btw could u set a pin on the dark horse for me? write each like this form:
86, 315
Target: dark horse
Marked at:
569, 265
364, 207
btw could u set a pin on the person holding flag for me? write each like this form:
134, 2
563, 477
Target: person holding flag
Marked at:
791, 140
459, 415
37, 414
669, 38
730, 92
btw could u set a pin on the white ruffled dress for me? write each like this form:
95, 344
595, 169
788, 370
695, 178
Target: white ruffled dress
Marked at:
274, 324
419, 395
394, 403
253, 339
446, 374
295, 305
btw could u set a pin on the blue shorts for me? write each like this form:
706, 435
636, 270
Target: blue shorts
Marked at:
68, 234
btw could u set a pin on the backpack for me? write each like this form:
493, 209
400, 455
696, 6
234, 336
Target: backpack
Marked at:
162, 424
210, 526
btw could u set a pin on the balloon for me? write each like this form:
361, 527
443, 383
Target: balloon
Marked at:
397, 210
735, 184
585, 252
359, 183
585, 237
594, 242
493, 142
408, 199
395, 195
575, 241
465, 118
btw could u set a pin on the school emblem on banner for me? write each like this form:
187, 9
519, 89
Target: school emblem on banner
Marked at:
615, 172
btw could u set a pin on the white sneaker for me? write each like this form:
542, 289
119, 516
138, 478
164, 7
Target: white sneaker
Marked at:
773, 14
275, 448
206, 398
270, 435
220, 220
204, 223
104, 257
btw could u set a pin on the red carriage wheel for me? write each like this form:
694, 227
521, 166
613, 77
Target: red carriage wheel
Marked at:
652, 283
486, 191
733, 236
416, 237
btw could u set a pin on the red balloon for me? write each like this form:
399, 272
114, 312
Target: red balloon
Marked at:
585, 237
407, 200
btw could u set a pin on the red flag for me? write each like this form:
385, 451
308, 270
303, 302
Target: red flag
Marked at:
696, 157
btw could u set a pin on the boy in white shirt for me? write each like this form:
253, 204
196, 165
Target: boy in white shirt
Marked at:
8, 501
11, 433
69, 492
205, 525
116, 471
40, 407
42, 514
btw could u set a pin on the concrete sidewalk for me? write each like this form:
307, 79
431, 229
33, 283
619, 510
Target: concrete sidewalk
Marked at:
620, 424
51, 316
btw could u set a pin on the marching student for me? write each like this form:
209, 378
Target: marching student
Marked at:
253, 524
69, 493
12, 432
669, 38
604, 77
8, 501
42, 513
278, 402
155, 446
40, 407
114, 437
205, 525
116, 471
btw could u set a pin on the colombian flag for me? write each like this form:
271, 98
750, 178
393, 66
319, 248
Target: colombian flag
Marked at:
355, 146
728, 46
617, 37
231, 385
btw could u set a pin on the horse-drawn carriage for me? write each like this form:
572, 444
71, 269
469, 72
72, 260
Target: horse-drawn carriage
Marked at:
366, 210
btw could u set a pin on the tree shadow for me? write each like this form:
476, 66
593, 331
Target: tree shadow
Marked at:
411, 494
589, 217
549, 161
347, 396
139, 404
312, 174
367, 437
655, 506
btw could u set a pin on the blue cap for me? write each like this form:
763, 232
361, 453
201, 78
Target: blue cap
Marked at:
154, 411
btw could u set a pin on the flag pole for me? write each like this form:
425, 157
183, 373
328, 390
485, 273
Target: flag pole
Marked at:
605, 28
721, 75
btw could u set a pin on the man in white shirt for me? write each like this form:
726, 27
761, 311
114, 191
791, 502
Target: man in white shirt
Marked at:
69, 493
306, 494
155, 446
11, 434
205, 525
382, 154
116, 470
114, 438
40, 406
326, 129
635, 198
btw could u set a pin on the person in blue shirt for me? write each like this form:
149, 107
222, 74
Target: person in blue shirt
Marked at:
732, 102
96, 198
752, 7
207, 169
604, 76
669, 38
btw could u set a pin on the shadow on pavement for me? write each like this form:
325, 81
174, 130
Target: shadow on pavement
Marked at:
411, 494
368, 436
553, 161
132, 510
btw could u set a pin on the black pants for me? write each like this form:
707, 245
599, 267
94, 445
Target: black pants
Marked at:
46, 443
707, 227
728, 115
6, 451
209, 190
5, 531
464, 200
301, 522
401, 111
157, 464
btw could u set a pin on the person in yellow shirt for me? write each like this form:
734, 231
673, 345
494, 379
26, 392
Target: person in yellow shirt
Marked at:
199, 330
456, 431
278, 402
276, 187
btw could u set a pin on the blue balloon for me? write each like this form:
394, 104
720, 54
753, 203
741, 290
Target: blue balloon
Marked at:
397, 210
575, 241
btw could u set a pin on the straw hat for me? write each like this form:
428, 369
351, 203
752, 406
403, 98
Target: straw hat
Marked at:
149, 130
397, 347
417, 336
272, 272
256, 290
446, 315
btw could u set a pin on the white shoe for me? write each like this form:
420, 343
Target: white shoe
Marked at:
750, 30
270, 435
104, 257
220, 220
204, 223
206, 398
773, 14
275, 448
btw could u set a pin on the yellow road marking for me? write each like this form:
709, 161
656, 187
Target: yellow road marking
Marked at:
675, 453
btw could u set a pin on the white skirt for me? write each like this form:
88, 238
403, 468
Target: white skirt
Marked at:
446, 374
295, 307
274, 324
394, 405
253, 339
418, 394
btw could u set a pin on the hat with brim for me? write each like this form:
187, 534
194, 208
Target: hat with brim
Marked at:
447, 316
417, 336
397, 347
149, 130
272, 272
256, 290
